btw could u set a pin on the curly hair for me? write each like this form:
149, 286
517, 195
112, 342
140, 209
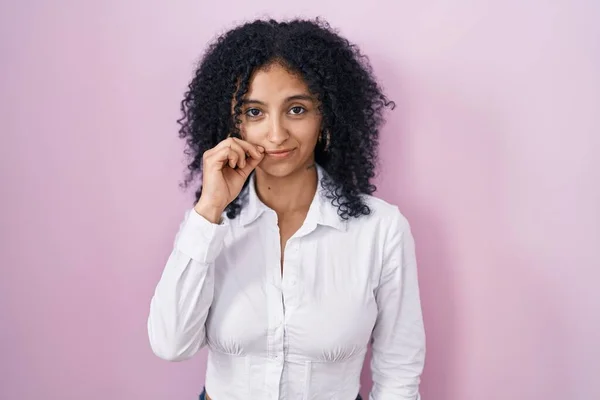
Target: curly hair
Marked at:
337, 74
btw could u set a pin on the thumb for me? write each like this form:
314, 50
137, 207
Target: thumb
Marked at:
251, 163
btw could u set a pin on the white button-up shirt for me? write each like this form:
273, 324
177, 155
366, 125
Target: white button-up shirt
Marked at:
302, 334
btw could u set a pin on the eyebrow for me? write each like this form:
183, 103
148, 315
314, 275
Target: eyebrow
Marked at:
287, 100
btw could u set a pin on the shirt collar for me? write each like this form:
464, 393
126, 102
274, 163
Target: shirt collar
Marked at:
321, 211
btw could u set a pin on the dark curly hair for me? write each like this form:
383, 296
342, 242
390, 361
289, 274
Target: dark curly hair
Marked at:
350, 100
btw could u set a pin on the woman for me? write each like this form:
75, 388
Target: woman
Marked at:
287, 267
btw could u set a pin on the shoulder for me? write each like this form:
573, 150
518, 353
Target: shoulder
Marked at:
385, 214
394, 229
385, 225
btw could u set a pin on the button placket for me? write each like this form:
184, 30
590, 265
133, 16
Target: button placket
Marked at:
275, 303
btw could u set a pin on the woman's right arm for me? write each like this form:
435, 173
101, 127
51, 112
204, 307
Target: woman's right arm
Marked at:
184, 293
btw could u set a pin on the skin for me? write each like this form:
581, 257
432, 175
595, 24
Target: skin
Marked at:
278, 115
280, 128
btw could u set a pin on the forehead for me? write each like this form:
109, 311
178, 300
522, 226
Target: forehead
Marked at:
275, 82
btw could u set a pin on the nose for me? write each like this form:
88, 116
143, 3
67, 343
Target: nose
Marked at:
278, 133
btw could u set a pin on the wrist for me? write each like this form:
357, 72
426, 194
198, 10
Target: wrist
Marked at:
209, 212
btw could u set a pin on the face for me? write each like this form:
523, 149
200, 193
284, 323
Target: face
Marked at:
280, 114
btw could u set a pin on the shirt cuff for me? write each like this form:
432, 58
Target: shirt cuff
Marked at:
200, 239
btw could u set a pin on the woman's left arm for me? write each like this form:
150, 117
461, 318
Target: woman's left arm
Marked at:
399, 334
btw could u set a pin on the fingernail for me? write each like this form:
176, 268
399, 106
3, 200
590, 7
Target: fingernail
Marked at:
261, 149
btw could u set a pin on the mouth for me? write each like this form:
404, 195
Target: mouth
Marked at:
279, 153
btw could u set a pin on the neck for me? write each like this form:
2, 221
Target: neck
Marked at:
292, 193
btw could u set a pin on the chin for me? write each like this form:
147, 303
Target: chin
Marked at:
279, 169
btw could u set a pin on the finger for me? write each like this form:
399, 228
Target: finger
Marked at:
251, 164
253, 150
248, 148
241, 154
233, 158
219, 157
235, 146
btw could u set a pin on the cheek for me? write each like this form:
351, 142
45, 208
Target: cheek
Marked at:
308, 131
251, 132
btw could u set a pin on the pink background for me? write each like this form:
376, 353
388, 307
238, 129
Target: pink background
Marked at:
492, 154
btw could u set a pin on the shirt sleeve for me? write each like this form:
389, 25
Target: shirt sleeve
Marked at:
184, 293
399, 334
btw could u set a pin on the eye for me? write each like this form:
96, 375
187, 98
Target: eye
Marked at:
297, 110
253, 112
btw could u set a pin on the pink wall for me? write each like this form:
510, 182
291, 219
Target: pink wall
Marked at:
490, 154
